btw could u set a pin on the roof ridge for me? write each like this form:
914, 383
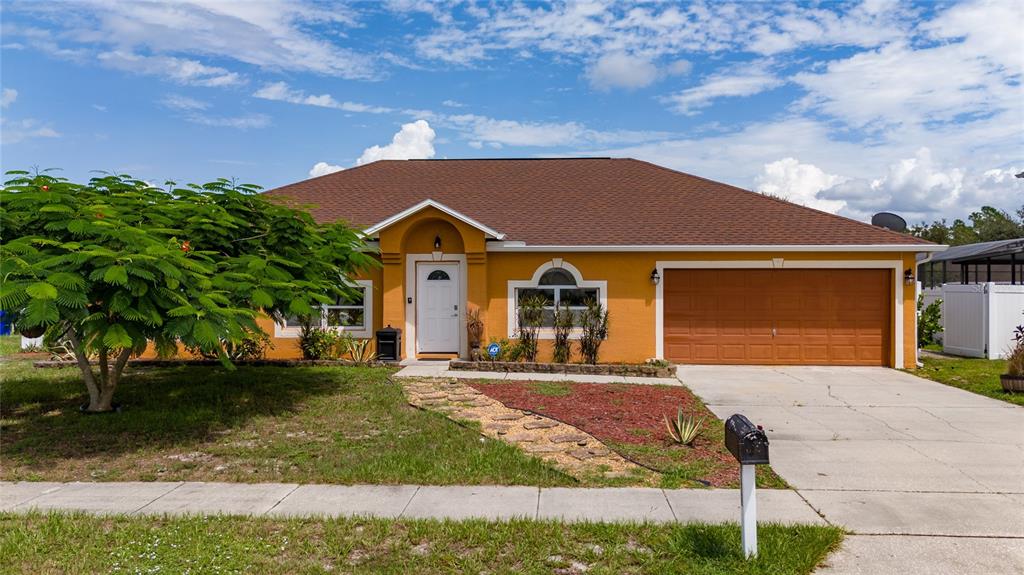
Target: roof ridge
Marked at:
786, 202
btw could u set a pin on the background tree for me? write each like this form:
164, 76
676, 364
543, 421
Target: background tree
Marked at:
117, 264
986, 225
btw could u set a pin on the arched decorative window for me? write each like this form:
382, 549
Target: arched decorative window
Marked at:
558, 285
438, 275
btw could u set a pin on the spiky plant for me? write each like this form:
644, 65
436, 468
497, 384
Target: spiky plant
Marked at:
360, 350
684, 429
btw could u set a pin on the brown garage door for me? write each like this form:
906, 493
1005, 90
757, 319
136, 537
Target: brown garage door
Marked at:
785, 317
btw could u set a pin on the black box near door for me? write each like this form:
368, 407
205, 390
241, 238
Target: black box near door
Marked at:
389, 344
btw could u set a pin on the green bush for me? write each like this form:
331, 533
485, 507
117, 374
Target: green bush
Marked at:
929, 321
594, 321
564, 322
317, 342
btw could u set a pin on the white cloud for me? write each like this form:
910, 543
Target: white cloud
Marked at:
680, 68
453, 104
621, 70
414, 141
179, 102
967, 66
280, 91
179, 70
921, 188
273, 35
251, 121
739, 82
323, 168
12, 132
8, 98
798, 183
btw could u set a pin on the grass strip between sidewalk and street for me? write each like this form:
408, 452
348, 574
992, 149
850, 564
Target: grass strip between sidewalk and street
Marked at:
40, 544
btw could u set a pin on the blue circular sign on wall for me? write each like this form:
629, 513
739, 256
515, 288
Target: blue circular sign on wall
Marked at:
493, 350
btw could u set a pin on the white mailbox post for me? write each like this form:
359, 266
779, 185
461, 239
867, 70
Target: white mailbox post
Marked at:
749, 445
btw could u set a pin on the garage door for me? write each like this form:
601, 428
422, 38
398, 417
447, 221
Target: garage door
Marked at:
784, 317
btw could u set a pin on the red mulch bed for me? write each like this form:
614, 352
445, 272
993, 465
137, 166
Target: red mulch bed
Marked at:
606, 411
612, 413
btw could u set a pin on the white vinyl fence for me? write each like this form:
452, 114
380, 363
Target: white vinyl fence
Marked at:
978, 319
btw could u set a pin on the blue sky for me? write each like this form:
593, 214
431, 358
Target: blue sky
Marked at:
849, 107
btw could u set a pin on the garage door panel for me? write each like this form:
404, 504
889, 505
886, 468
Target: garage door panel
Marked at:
819, 316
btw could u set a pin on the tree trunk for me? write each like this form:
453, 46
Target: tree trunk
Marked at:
101, 389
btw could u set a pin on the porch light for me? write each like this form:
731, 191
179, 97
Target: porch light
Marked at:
437, 243
908, 276
655, 277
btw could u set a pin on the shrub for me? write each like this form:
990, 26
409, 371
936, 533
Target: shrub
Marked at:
531, 318
356, 350
252, 345
594, 323
684, 430
474, 327
1015, 359
930, 321
564, 322
317, 342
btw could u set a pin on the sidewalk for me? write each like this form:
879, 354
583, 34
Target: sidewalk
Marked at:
440, 369
406, 501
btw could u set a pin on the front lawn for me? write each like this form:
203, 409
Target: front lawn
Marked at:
40, 544
9, 345
630, 420
305, 425
979, 376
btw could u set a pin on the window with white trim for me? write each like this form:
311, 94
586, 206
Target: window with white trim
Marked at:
558, 287
349, 313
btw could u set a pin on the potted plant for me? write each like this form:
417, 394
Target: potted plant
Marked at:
1013, 379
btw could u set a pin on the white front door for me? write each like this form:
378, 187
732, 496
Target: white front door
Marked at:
437, 307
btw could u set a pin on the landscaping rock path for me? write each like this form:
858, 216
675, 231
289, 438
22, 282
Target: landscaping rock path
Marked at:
572, 451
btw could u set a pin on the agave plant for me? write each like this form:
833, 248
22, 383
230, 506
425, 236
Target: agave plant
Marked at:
684, 430
357, 350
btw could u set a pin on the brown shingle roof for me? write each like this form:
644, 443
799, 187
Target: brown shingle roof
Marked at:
580, 201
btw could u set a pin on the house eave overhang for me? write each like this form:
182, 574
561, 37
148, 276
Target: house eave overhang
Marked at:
523, 247
374, 230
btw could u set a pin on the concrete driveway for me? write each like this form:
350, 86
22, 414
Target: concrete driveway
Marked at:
924, 474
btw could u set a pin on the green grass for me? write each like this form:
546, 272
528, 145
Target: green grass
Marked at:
308, 425
550, 388
979, 376
9, 345
40, 544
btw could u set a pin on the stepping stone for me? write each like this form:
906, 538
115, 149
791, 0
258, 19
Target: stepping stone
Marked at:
542, 449
582, 454
508, 417
431, 402
500, 428
434, 395
569, 438
617, 474
599, 451
466, 415
459, 397
542, 424
522, 437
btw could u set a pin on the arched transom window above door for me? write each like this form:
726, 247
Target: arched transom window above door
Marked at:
559, 283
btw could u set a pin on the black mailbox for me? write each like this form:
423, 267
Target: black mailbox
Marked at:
746, 441
389, 344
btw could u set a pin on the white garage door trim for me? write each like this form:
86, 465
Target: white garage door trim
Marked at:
778, 263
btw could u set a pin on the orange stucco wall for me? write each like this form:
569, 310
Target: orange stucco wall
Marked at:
630, 294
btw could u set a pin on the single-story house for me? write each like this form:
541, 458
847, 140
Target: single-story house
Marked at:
690, 270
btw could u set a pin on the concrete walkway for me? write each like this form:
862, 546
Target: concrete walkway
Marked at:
924, 474
411, 501
440, 369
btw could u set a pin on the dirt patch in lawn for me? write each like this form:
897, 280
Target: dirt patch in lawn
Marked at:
630, 420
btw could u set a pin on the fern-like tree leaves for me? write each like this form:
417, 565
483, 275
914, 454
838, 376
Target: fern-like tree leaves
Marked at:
119, 265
